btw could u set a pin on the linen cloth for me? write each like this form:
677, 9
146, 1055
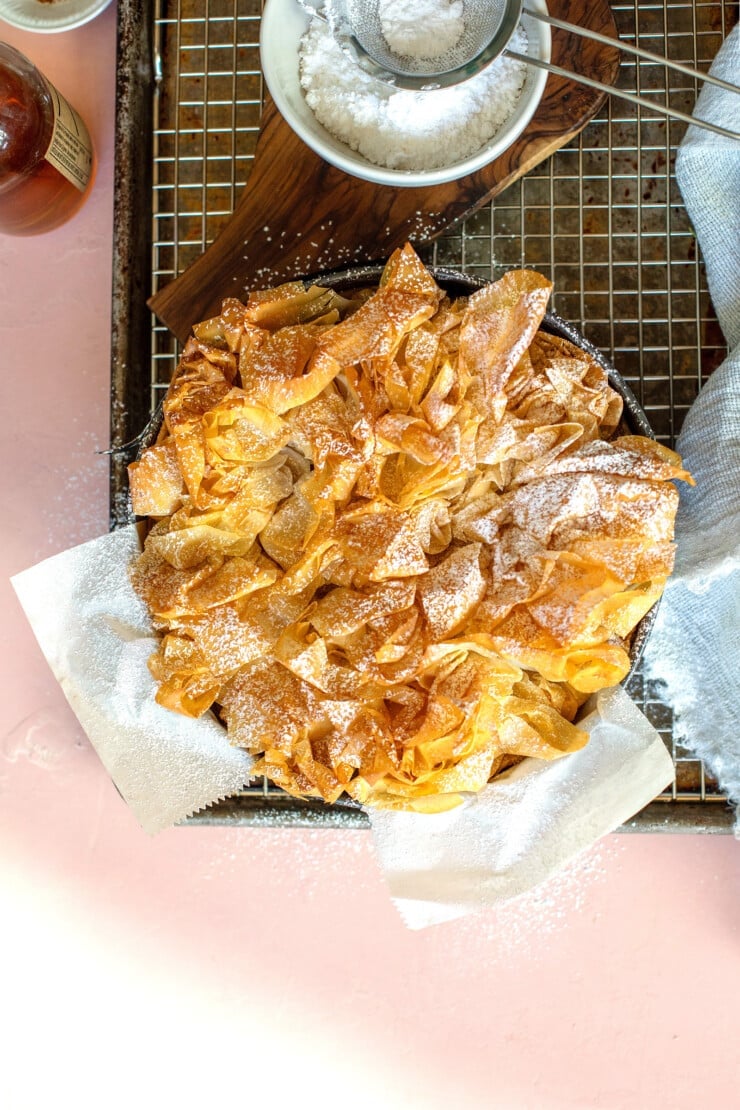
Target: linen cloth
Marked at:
694, 650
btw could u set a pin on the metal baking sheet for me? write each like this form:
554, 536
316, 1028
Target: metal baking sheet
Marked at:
602, 218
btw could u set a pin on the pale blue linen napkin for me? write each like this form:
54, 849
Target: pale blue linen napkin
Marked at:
694, 650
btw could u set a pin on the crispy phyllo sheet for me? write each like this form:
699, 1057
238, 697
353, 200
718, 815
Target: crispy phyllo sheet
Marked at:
396, 539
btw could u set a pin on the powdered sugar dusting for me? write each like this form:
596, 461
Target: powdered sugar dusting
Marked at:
544, 911
421, 28
76, 512
401, 129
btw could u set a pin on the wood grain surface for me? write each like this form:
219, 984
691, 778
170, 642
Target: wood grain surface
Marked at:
299, 216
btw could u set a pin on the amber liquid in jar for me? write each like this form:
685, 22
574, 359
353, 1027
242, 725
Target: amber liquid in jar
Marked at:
39, 133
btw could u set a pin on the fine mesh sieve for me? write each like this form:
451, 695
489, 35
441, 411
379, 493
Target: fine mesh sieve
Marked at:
489, 25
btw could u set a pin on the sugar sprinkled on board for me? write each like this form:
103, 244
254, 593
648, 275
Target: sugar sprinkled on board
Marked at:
76, 512
401, 129
519, 925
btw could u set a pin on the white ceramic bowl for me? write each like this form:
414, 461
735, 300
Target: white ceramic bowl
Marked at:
283, 24
57, 15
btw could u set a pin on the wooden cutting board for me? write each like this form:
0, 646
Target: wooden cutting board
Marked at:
298, 215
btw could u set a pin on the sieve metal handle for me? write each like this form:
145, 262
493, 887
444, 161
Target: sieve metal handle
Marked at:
634, 98
629, 48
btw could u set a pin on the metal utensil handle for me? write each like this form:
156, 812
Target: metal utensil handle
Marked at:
628, 48
661, 109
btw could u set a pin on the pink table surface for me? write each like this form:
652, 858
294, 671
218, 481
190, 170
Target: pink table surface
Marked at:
215, 962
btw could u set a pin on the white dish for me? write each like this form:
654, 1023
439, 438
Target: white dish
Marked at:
283, 24
50, 15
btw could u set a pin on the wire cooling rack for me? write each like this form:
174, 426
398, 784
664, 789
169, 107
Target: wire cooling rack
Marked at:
602, 218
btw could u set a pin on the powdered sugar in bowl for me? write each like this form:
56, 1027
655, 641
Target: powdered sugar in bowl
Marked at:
395, 137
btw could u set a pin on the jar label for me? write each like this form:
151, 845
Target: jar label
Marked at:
70, 149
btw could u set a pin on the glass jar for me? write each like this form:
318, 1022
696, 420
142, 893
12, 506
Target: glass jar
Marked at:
47, 162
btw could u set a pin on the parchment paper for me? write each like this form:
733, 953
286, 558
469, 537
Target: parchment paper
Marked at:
96, 636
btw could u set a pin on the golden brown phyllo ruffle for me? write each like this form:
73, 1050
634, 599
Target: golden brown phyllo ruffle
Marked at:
397, 538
